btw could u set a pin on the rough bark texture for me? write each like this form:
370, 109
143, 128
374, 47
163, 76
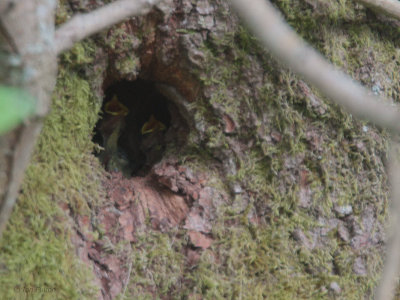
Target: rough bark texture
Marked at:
264, 190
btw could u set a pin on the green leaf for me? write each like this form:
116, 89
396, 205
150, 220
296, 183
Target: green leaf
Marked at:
15, 106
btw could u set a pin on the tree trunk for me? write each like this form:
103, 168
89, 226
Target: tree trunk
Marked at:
223, 174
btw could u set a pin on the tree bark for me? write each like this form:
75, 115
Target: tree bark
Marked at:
36, 46
265, 189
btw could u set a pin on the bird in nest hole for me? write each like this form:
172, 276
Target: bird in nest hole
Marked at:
150, 143
111, 127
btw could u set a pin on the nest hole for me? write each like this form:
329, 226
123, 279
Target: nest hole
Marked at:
138, 123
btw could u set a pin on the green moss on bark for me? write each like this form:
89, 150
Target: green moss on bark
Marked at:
247, 260
37, 258
257, 262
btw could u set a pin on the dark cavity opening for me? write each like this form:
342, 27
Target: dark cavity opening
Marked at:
135, 127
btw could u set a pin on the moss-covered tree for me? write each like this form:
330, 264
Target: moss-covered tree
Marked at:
289, 190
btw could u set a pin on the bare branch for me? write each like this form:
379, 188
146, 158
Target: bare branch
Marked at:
5, 7
84, 25
266, 23
32, 40
21, 157
391, 271
390, 8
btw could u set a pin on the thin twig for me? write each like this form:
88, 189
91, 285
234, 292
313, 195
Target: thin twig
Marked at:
391, 271
278, 37
84, 25
266, 23
390, 8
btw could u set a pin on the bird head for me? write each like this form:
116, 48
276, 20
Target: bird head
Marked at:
152, 126
116, 108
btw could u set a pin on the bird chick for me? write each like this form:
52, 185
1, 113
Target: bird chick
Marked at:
153, 143
116, 108
110, 129
152, 125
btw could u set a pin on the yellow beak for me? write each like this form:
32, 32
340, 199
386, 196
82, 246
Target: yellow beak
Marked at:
152, 125
116, 108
